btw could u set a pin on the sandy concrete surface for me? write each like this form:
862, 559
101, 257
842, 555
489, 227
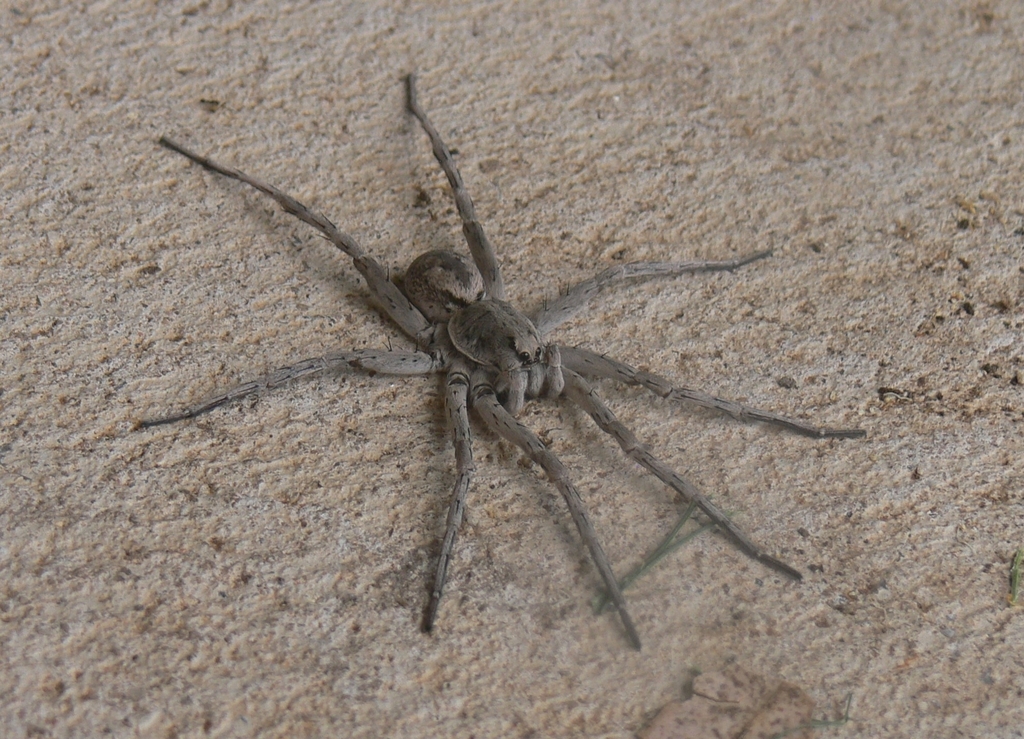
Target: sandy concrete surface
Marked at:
262, 571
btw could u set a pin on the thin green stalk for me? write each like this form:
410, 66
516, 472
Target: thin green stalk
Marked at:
668, 545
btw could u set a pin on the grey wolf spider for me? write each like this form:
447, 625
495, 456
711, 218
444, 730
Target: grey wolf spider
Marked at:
495, 358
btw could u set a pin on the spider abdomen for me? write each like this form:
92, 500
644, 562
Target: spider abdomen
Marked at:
441, 282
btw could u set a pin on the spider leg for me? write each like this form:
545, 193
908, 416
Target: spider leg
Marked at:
596, 365
366, 360
580, 393
479, 246
577, 297
505, 425
455, 405
397, 306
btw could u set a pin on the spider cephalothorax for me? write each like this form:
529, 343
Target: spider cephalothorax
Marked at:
495, 358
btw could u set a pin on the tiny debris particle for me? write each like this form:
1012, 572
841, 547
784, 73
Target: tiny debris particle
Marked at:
892, 393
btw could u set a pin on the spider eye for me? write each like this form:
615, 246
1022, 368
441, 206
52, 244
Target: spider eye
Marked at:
526, 358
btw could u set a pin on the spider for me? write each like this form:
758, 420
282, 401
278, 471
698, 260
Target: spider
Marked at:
494, 358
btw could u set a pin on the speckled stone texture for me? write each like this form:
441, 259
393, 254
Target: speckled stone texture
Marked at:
262, 571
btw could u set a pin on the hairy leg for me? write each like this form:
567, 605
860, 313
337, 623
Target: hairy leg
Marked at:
577, 297
596, 365
479, 246
455, 405
580, 393
365, 360
397, 306
505, 425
